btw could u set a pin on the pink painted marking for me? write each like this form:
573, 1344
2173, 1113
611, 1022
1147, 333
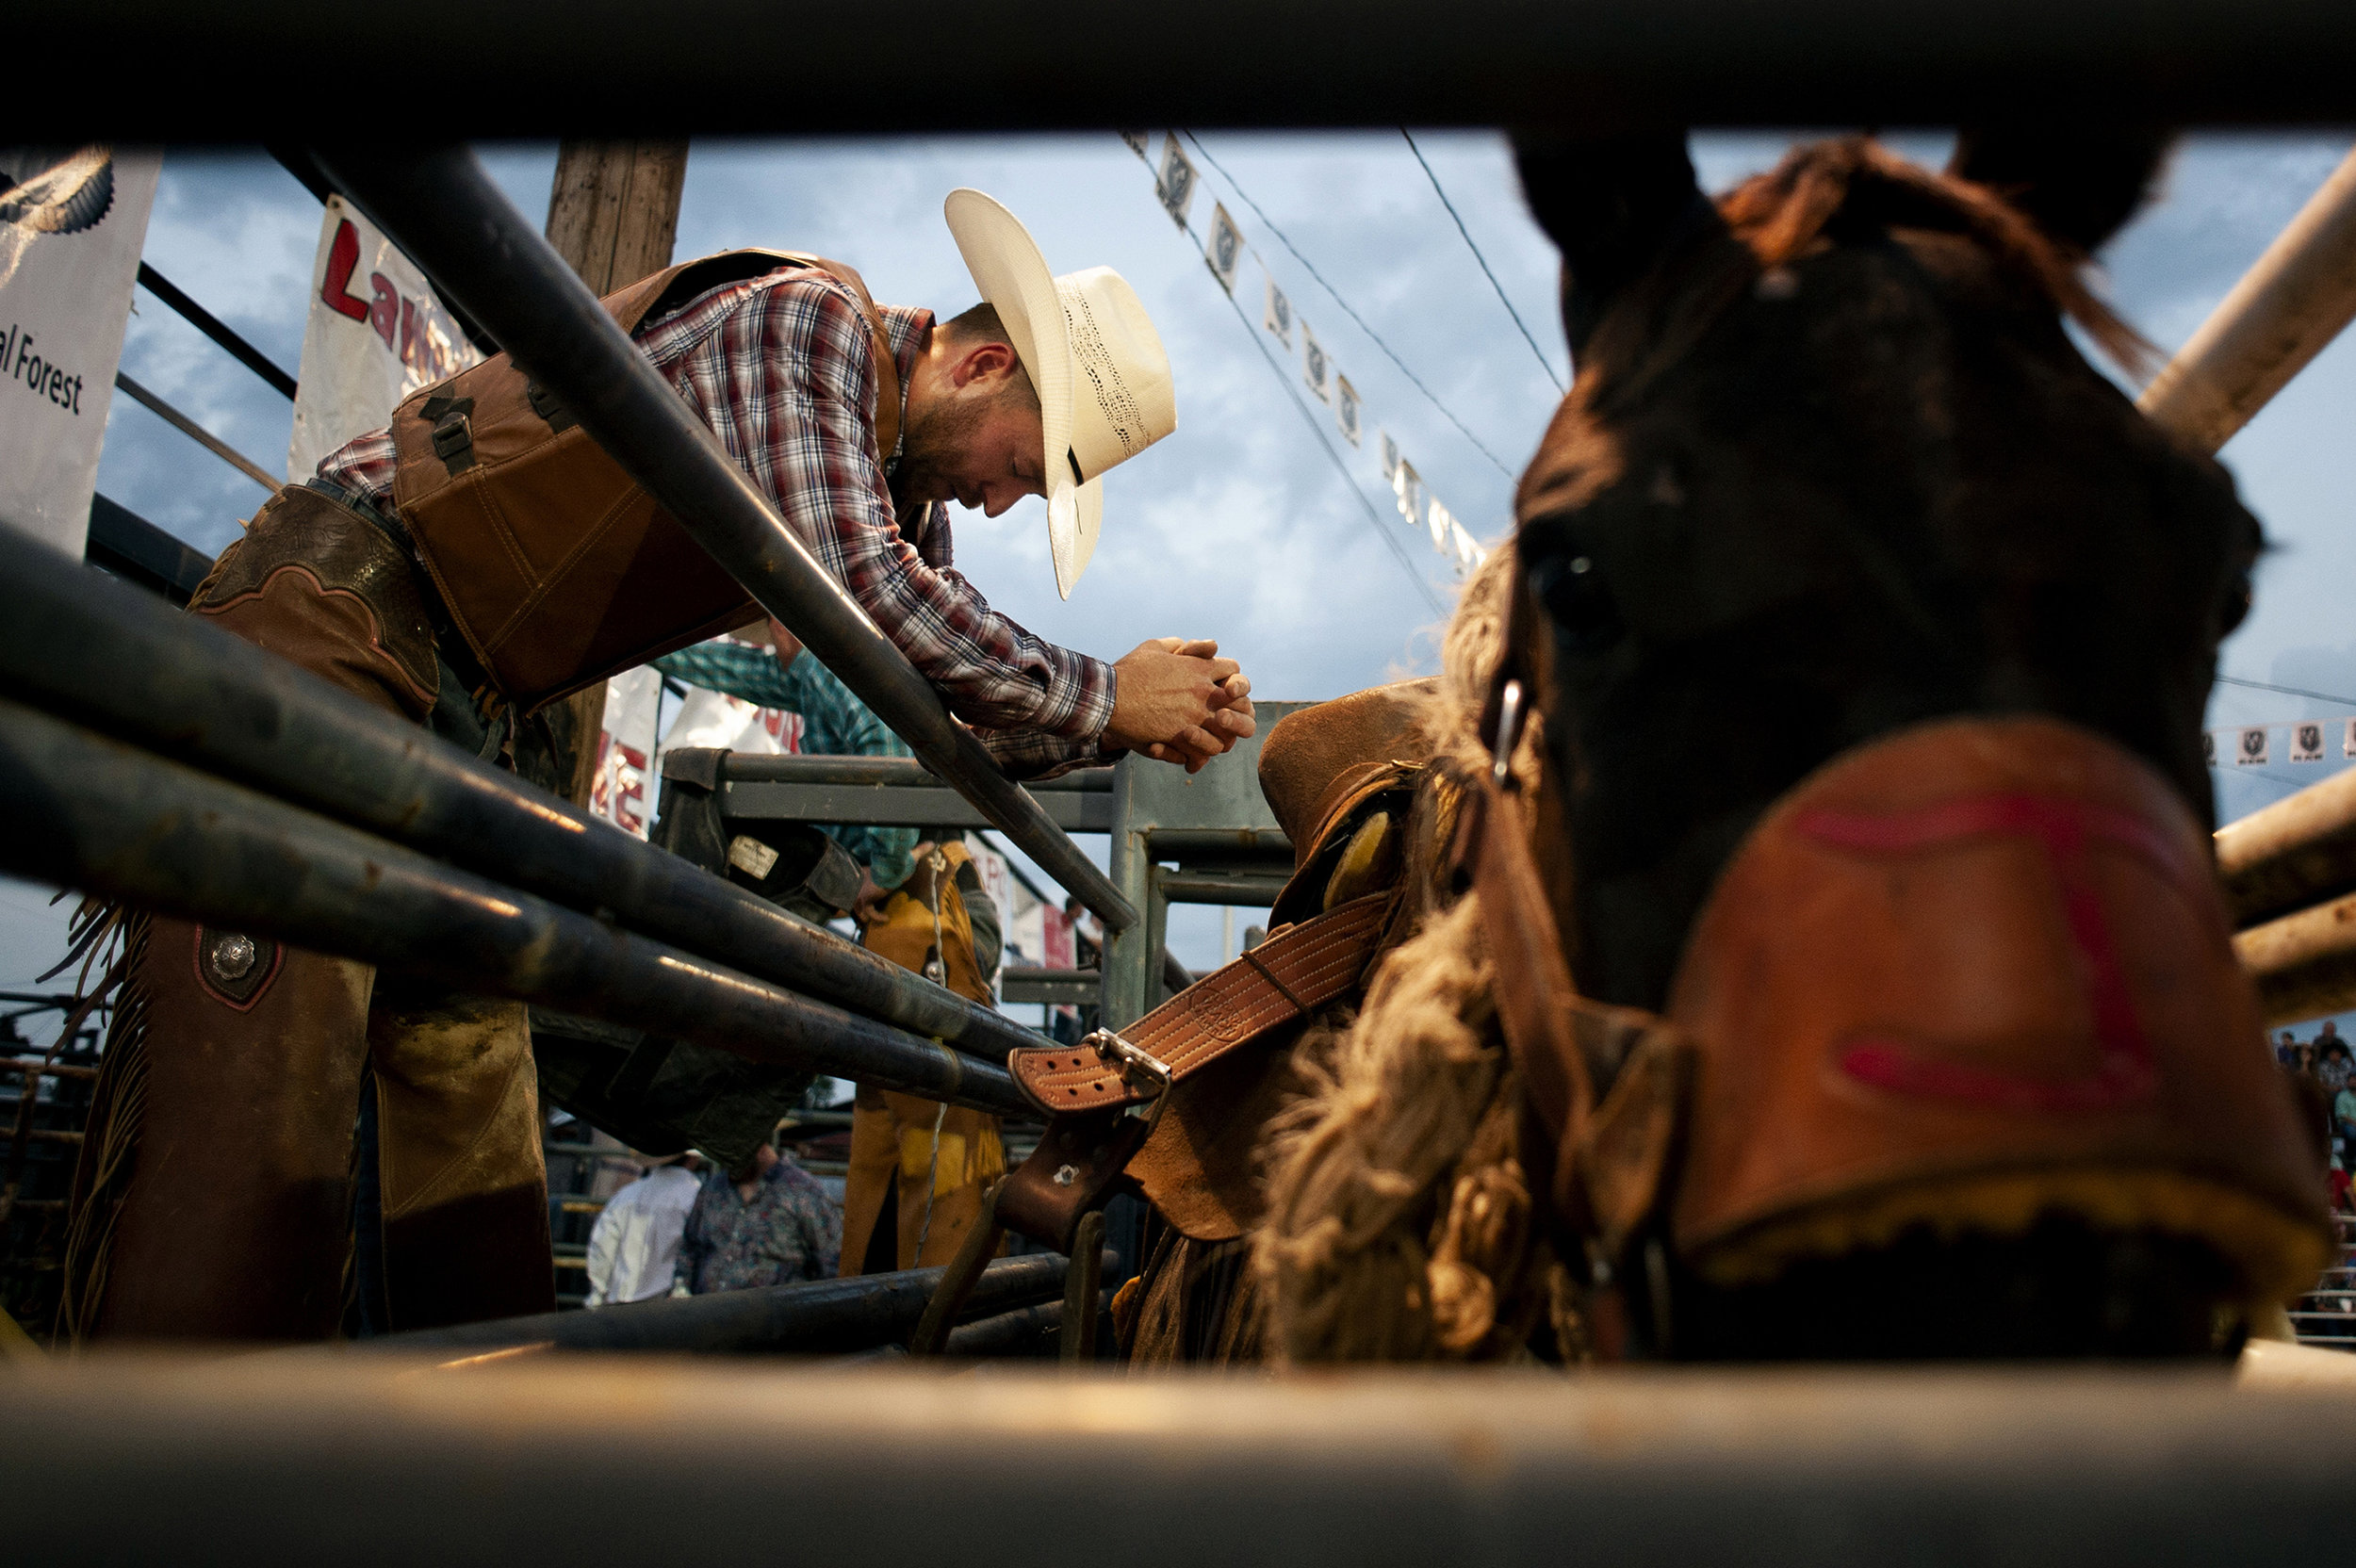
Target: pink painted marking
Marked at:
2064, 828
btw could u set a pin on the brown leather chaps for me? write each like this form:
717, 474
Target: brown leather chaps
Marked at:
215, 1195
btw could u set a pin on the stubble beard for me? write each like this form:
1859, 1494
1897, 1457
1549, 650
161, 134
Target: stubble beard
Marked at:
937, 434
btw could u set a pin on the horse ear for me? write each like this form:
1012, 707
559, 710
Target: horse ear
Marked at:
2080, 183
1612, 205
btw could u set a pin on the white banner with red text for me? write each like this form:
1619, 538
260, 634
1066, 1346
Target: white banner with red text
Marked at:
376, 332
71, 222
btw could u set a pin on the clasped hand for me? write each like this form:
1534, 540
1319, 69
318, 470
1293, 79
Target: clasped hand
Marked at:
1177, 701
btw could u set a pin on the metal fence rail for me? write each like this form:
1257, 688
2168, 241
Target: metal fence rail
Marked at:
441, 207
266, 1460
810, 1316
106, 654
94, 813
892, 791
2283, 313
716, 66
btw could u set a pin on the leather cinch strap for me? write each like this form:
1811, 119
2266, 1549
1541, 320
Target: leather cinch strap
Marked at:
1088, 1090
1295, 972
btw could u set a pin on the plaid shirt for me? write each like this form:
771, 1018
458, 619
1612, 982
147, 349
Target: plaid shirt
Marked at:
780, 368
834, 724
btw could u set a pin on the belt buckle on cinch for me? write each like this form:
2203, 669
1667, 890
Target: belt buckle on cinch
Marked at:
1136, 1058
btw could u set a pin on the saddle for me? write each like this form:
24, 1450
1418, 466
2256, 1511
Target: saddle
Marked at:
1174, 1105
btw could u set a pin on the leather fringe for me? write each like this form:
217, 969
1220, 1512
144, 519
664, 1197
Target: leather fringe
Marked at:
110, 1141
1198, 1304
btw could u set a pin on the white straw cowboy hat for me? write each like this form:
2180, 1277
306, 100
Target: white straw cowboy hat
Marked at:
1104, 385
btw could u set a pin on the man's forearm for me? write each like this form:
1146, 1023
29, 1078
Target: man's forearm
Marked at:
990, 670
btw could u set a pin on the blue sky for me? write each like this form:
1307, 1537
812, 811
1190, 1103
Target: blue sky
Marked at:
1240, 526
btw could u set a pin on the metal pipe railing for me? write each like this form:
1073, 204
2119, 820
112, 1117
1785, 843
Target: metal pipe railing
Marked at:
2304, 963
105, 654
2289, 870
719, 71
887, 773
442, 208
262, 1460
90, 813
810, 1316
2289, 854
2283, 313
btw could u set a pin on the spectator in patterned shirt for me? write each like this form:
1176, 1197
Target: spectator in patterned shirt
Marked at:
766, 1223
479, 558
2332, 1065
834, 724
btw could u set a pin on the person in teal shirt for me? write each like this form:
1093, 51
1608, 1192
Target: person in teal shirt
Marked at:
834, 724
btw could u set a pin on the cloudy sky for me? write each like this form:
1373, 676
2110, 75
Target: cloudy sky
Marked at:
1241, 526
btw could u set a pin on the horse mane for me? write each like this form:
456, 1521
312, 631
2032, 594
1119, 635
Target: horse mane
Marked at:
1399, 1220
1779, 215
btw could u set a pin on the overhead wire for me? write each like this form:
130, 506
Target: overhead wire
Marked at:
1352, 311
2286, 691
1543, 362
2294, 785
1382, 527
1316, 426
2241, 771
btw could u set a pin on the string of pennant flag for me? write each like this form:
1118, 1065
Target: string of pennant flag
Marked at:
2251, 746
1224, 247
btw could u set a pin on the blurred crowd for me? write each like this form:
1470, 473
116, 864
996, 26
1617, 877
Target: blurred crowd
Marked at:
2326, 1062
688, 1228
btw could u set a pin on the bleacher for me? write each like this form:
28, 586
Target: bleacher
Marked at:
2326, 1316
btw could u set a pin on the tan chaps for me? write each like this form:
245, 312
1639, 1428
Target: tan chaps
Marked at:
939, 1157
935, 1182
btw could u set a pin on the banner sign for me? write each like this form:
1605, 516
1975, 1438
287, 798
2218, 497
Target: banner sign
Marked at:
2250, 745
1439, 519
1316, 368
1034, 934
1224, 249
1408, 490
1345, 408
376, 332
1278, 317
71, 222
1058, 950
1021, 930
1175, 183
622, 789
714, 719
1468, 551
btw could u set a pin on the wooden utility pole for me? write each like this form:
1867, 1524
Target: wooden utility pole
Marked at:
612, 216
614, 211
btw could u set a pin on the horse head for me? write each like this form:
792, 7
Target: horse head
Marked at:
1833, 468
1855, 934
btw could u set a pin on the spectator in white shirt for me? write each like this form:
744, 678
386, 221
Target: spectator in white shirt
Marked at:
633, 1248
